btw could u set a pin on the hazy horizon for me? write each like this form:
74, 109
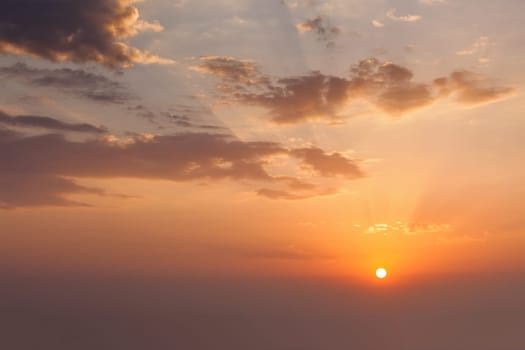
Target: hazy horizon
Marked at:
231, 174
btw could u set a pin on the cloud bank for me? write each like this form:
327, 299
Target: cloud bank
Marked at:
51, 162
388, 87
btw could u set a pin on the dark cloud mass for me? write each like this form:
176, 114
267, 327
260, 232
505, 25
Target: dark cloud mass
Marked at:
79, 31
52, 159
40, 122
316, 96
75, 82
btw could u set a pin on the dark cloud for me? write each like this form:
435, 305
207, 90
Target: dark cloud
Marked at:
53, 159
40, 122
321, 26
316, 96
79, 31
70, 81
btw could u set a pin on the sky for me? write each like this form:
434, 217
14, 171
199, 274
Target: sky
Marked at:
229, 174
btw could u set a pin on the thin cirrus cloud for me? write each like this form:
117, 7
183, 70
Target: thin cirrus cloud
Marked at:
51, 163
76, 82
479, 46
316, 96
78, 31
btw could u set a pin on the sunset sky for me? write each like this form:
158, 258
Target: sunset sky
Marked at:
229, 174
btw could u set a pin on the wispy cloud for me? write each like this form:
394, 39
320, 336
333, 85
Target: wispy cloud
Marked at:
47, 123
480, 44
405, 18
75, 82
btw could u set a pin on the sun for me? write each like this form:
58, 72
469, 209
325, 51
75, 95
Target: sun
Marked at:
381, 273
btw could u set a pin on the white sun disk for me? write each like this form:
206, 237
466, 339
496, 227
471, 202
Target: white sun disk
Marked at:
381, 273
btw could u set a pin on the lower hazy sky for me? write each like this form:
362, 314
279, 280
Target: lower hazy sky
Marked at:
229, 174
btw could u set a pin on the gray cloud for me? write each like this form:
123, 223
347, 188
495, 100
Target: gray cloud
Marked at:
76, 82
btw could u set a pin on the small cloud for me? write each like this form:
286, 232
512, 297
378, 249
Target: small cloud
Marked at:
377, 24
432, 2
406, 18
325, 31
229, 68
410, 229
484, 60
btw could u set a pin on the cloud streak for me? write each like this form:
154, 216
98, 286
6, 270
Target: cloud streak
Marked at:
47, 123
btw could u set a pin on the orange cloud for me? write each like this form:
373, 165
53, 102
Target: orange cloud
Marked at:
471, 89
